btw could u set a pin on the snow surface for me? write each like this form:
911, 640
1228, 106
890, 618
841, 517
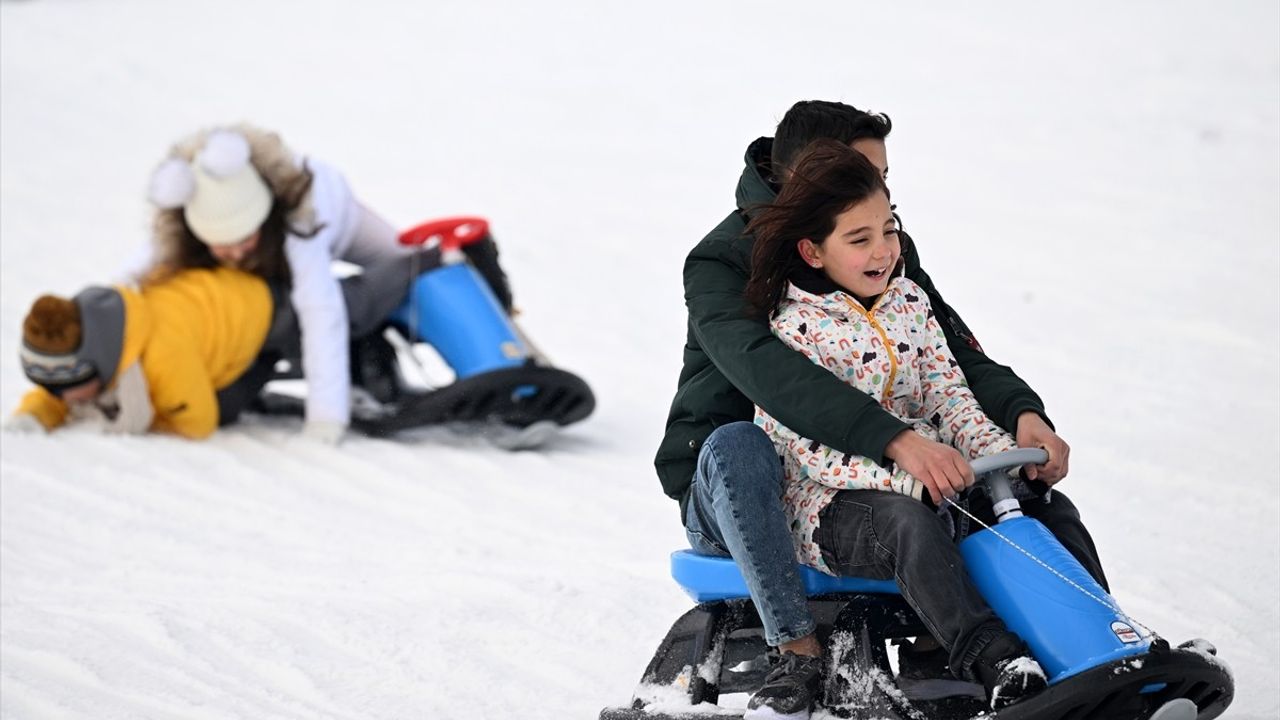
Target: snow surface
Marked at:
1093, 184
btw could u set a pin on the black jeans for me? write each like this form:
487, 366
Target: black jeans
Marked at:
888, 536
370, 297
884, 535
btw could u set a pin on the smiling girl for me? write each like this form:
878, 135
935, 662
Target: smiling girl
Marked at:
827, 272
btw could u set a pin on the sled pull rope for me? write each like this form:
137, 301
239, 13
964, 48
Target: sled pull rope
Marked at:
414, 269
1108, 605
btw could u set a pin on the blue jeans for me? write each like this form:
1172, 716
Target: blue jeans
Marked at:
735, 510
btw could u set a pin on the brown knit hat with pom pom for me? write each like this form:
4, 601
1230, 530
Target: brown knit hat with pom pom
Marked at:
69, 342
53, 326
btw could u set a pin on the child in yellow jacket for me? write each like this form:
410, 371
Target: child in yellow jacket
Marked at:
142, 360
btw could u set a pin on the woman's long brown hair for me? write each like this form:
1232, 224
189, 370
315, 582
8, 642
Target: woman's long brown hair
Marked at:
290, 182
829, 178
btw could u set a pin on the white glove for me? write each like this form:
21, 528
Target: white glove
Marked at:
87, 415
24, 423
324, 431
132, 402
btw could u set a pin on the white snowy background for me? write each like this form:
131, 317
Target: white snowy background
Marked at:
1094, 185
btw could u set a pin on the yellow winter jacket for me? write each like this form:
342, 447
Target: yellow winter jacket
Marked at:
193, 334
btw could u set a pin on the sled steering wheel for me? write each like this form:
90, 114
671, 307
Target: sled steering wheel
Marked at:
988, 470
984, 466
451, 233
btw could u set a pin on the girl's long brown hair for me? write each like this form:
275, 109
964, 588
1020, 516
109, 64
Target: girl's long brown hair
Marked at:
290, 183
829, 178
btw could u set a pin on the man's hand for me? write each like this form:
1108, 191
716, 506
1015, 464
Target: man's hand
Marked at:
941, 468
1034, 432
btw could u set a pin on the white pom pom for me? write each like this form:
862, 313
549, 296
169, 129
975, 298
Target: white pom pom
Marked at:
172, 184
225, 153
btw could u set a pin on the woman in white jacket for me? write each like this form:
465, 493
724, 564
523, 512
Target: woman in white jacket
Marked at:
237, 196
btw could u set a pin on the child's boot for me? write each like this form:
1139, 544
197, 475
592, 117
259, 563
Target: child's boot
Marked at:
790, 690
1007, 670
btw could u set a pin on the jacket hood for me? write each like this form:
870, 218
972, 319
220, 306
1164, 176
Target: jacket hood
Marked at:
840, 303
754, 187
102, 313
137, 328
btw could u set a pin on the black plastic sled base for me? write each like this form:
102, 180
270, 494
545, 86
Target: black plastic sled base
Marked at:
517, 397
718, 648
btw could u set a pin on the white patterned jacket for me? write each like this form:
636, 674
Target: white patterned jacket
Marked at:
896, 352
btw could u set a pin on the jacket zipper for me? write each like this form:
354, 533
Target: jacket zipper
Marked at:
884, 338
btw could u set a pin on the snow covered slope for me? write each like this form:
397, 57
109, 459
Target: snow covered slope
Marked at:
1093, 184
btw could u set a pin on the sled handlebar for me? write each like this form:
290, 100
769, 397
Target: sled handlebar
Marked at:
1009, 459
451, 233
987, 469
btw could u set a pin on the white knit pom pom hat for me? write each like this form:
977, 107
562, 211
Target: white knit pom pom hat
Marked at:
223, 198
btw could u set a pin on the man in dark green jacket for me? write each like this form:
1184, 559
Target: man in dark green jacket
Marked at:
724, 471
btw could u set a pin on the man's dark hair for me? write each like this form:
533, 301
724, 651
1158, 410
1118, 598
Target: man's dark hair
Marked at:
810, 120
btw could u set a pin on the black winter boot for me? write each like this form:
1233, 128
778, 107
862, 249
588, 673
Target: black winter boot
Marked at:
375, 368
1007, 670
790, 690
925, 675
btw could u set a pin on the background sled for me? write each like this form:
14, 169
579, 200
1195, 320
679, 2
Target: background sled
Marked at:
462, 311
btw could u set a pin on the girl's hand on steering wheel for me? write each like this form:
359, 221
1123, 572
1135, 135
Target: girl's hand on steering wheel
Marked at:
941, 468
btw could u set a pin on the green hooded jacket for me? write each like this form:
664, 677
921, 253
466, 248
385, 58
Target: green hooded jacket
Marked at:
733, 362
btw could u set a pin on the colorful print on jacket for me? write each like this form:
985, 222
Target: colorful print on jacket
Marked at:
895, 352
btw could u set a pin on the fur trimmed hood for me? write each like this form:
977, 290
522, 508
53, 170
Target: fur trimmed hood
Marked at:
285, 173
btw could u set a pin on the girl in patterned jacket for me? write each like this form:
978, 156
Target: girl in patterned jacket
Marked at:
827, 271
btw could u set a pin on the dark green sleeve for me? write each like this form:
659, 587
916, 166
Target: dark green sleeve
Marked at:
805, 397
1003, 395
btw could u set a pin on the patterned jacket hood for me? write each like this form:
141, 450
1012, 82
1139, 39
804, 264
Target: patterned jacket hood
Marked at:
842, 304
